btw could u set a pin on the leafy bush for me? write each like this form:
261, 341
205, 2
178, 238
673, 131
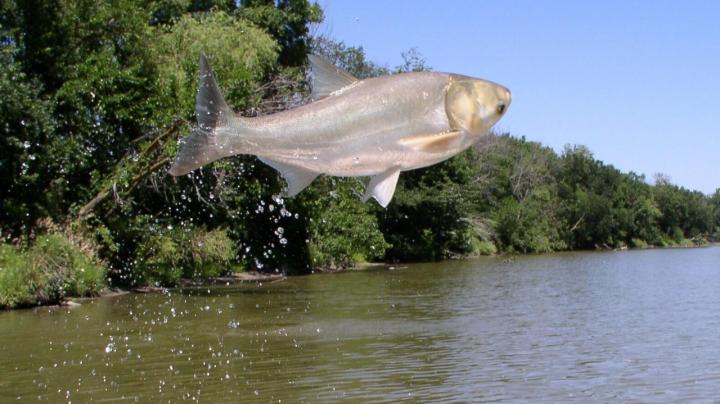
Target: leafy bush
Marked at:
51, 269
427, 218
341, 229
67, 269
638, 243
167, 256
240, 54
16, 283
483, 247
212, 252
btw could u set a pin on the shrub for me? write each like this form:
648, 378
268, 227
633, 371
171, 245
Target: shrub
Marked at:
484, 247
341, 229
160, 258
67, 269
167, 256
51, 269
638, 243
212, 251
16, 284
686, 242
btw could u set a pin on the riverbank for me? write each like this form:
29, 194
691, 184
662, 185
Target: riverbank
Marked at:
232, 279
69, 300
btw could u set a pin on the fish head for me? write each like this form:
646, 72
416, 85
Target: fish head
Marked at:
474, 105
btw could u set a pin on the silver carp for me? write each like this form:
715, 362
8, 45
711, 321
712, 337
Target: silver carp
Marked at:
375, 127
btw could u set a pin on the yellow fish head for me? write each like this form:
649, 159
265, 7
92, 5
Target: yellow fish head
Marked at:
474, 105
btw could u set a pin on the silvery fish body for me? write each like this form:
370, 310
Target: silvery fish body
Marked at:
375, 127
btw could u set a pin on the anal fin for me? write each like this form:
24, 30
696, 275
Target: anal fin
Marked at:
382, 186
297, 178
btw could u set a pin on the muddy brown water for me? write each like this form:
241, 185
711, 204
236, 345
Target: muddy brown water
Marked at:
610, 326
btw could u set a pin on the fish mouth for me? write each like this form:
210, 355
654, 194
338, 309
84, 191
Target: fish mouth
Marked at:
505, 95
505, 100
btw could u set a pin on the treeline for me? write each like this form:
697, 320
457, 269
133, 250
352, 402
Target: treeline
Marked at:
96, 95
539, 201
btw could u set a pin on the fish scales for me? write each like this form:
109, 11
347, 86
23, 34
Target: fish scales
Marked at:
375, 127
367, 118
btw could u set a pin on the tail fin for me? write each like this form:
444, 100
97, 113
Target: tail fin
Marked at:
207, 142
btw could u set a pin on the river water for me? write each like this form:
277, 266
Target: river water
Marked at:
611, 326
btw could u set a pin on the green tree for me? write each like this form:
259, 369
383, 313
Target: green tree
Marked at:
25, 126
684, 214
428, 218
88, 60
349, 58
98, 90
715, 203
287, 21
168, 11
515, 191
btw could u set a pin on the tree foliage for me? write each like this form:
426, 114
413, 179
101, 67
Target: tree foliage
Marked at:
96, 94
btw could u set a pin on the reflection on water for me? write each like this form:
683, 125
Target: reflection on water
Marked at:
575, 326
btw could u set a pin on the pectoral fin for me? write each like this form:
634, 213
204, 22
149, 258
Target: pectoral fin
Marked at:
433, 142
297, 178
382, 186
326, 78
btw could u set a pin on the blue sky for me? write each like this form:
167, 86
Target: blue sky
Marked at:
638, 82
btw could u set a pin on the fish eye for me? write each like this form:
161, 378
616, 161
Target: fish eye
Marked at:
501, 109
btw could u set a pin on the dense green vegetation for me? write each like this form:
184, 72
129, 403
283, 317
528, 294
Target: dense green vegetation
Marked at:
59, 263
96, 94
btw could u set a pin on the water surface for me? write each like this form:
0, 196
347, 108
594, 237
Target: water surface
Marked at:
631, 325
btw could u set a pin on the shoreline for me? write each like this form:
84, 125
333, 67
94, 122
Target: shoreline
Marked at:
238, 278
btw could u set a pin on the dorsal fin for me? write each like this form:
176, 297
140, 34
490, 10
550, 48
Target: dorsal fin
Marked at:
326, 78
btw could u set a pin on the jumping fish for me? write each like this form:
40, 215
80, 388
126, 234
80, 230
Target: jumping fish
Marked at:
375, 127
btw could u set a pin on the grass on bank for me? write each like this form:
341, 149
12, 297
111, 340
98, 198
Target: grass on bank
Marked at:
47, 272
61, 264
